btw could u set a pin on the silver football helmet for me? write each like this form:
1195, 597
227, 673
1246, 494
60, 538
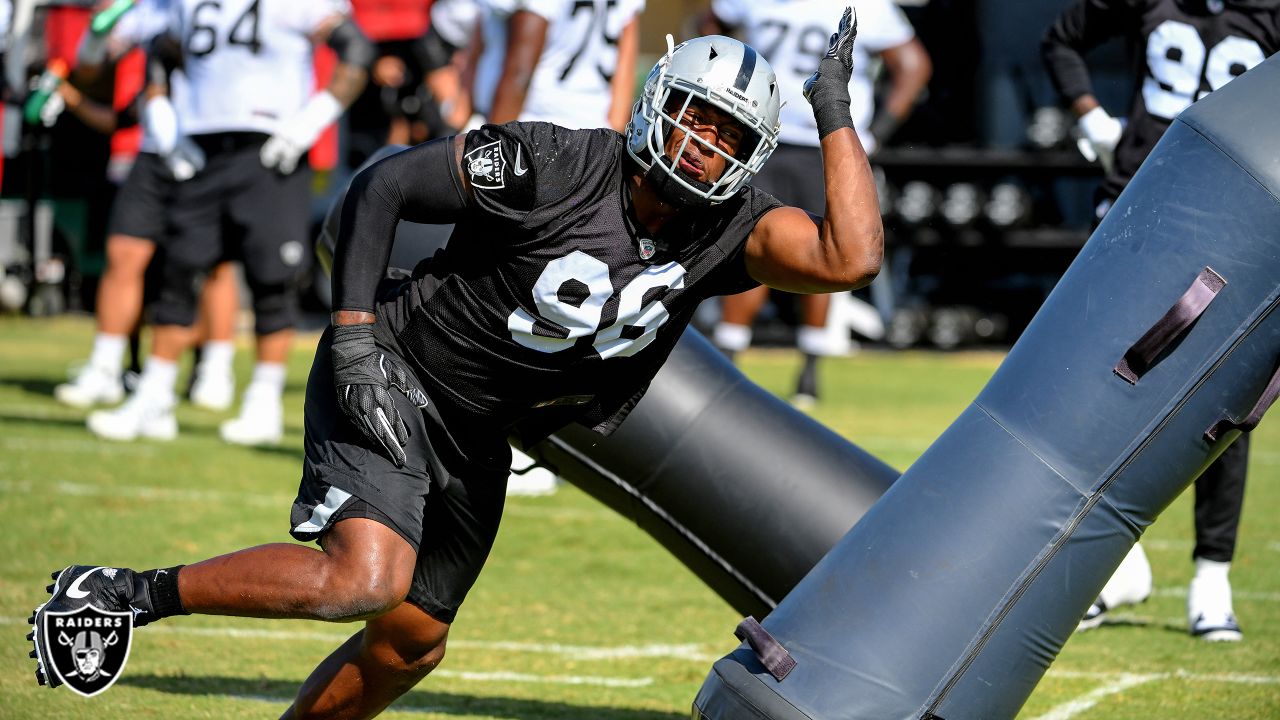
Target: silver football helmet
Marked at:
726, 73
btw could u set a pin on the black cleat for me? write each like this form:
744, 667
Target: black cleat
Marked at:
106, 588
806, 395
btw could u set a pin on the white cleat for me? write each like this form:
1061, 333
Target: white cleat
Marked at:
261, 421
1210, 616
1130, 584
143, 415
213, 390
93, 385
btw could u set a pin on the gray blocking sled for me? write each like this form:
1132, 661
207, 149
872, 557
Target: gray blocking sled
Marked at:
953, 594
746, 491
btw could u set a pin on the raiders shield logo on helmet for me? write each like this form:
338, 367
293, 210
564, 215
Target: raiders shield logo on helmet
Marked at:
88, 647
486, 166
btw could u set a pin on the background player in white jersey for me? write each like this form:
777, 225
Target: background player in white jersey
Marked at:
250, 108
572, 63
137, 219
791, 34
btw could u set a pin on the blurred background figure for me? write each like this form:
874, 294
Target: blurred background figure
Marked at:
137, 221
793, 36
1187, 49
248, 106
568, 62
411, 90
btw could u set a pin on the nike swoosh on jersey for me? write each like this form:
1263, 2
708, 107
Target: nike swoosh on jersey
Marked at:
74, 592
518, 169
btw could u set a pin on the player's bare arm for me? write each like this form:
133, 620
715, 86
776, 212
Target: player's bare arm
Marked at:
909, 69
792, 250
623, 84
526, 36
355, 56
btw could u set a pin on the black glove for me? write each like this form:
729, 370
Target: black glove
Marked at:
364, 375
827, 90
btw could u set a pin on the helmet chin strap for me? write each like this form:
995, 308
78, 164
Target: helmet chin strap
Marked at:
662, 180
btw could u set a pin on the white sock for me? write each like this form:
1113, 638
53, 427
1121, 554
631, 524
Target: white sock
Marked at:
1212, 571
732, 337
268, 380
217, 355
812, 340
158, 377
108, 352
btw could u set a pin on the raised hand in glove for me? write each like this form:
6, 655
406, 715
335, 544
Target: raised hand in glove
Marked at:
827, 90
364, 376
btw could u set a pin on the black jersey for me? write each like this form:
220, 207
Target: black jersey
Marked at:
1183, 50
550, 303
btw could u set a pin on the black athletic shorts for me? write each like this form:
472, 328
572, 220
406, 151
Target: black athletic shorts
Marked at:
450, 519
793, 174
142, 204
237, 208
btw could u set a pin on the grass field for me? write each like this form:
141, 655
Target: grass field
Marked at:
579, 615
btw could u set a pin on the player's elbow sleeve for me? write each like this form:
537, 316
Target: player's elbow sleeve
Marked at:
351, 45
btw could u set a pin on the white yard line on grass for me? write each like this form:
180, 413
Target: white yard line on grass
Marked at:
1120, 683
690, 652
74, 445
143, 492
1181, 592
514, 508
285, 701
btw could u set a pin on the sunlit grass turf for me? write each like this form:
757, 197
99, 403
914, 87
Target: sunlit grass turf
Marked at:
566, 577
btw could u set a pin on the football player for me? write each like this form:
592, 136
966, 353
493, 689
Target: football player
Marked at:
578, 259
249, 107
791, 35
567, 62
137, 217
1186, 50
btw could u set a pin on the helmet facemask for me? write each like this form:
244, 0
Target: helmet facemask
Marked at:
656, 116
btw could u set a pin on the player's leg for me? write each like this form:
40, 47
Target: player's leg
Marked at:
213, 382
811, 340
363, 569
274, 212
393, 653
192, 248
137, 218
399, 649
1219, 501
367, 564
737, 312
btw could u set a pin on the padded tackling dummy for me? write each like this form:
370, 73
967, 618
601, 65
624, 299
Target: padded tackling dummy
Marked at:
745, 490
742, 488
954, 593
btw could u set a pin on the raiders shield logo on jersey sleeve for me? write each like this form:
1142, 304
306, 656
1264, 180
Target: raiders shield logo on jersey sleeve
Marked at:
88, 647
486, 166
